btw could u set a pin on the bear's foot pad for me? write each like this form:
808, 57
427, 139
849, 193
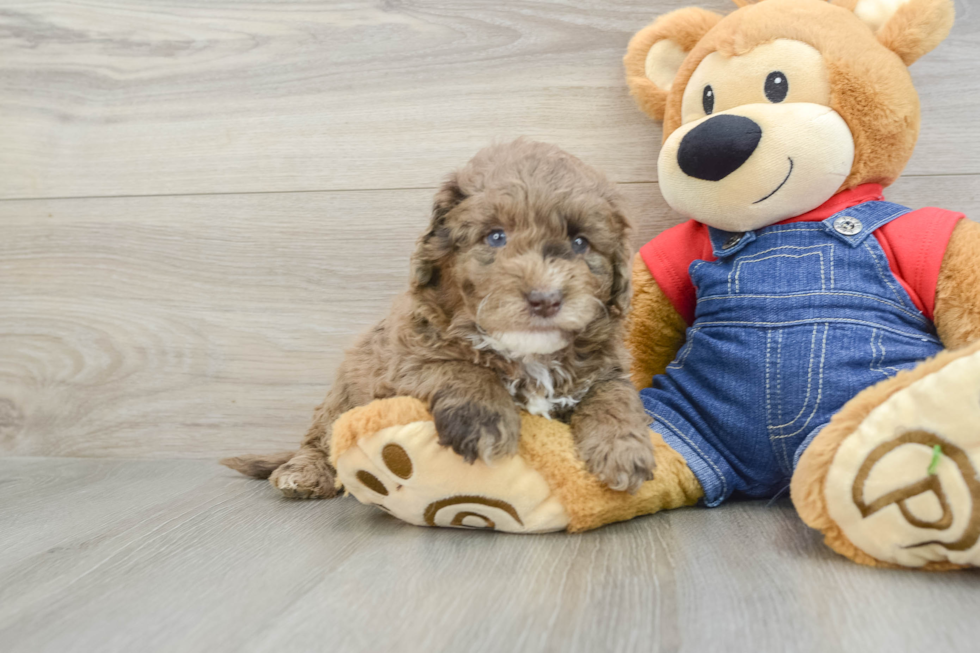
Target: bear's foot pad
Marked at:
903, 487
404, 470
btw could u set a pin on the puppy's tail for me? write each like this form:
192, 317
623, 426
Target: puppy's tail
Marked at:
258, 466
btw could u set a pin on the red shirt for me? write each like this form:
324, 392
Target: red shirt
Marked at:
914, 244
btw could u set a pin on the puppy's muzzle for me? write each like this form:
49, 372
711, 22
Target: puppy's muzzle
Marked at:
718, 147
544, 303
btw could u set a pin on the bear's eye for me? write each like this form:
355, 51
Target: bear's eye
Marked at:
497, 238
580, 245
708, 99
776, 86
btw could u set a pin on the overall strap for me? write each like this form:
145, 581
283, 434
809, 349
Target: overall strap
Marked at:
855, 224
729, 243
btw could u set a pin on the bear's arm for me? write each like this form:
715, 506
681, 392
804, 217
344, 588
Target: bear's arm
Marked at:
957, 314
654, 330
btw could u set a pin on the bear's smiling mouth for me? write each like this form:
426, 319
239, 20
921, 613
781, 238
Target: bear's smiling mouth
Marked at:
781, 183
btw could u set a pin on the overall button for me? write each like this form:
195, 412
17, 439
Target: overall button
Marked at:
733, 240
847, 225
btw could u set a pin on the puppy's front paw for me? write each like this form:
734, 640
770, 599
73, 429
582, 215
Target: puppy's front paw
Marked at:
477, 429
623, 461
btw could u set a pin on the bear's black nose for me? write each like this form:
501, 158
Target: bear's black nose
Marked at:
718, 146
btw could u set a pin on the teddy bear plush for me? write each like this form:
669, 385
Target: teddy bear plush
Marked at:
798, 331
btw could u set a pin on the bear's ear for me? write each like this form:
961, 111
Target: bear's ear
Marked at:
909, 28
656, 52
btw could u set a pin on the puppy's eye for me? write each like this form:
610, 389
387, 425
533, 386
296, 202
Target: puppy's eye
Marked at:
497, 238
580, 245
708, 99
777, 86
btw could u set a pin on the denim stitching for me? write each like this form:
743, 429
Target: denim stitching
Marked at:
679, 364
830, 255
779, 377
822, 320
693, 445
901, 307
884, 355
752, 258
881, 273
889, 278
748, 258
878, 359
787, 231
816, 405
809, 382
768, 367
874, 350
738, 266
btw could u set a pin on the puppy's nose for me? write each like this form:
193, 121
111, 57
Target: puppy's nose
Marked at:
544, 303
718, 146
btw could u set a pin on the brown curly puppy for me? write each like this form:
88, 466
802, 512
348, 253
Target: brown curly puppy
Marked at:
518, 295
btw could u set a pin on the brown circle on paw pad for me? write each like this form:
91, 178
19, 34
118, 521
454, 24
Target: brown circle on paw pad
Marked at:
433, 509
396, 459
460, 516
372, 482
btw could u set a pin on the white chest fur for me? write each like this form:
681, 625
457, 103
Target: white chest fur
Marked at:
535, 390
534, 386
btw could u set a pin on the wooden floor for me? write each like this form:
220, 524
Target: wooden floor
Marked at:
114, 555
201, 203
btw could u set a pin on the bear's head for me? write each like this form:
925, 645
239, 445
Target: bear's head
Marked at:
771, 110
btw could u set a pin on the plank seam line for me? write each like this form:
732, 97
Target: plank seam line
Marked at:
342, 190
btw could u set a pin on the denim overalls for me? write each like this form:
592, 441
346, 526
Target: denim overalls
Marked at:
792, 321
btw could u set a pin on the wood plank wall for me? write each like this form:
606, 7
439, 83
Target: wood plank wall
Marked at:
202, 203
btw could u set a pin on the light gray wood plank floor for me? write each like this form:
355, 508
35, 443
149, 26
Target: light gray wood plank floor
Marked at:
116, 555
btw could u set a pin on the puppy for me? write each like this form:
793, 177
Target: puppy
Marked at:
518, 294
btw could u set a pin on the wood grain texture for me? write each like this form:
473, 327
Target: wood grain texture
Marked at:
107, 556
203, 326
192, 326
127, 97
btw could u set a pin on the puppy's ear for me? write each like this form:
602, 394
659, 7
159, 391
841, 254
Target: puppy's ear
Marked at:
436, 244
909, 28
656, 53
621, 292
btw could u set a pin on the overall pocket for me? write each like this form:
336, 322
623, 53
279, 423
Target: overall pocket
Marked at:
796, 365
